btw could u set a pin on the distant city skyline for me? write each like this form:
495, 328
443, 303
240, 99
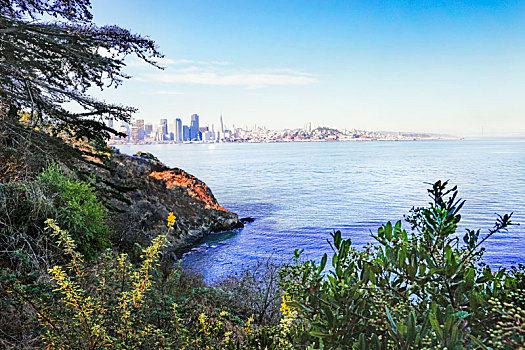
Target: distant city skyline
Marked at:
142, 132
439, 67
219, 125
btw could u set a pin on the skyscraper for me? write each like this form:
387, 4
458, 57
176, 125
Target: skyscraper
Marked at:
220, 131
160, 135
185, 133
194, 128
164, 125
178, 130
138, 134
124, 128
148, 129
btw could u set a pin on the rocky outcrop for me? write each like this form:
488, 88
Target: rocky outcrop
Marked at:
151, 191
194, 187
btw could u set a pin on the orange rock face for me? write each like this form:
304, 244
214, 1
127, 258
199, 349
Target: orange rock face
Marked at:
195, 188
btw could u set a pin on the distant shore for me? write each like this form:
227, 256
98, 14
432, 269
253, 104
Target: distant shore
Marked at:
368, 139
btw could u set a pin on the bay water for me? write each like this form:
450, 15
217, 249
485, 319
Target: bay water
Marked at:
300, 192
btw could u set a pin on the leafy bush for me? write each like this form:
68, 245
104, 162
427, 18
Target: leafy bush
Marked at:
25, 205
412, 290
77, 209
111, 313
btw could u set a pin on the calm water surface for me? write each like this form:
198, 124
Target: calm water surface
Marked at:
300, 192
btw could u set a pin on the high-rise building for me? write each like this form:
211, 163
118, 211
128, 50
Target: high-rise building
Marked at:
124, 129
148, 129
159, 134
307, 127
185, 133
194, 128
221, 125
137, 131
164, 126
134, 133
178, 130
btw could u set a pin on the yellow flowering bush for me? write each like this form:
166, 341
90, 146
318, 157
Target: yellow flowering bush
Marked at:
112, 303
111, 313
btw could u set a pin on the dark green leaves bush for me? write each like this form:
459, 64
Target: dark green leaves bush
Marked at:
413, 289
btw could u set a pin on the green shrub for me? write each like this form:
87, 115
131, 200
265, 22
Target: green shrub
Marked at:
412, 290
77, 208
55, 194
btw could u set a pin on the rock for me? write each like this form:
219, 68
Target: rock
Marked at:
151, 191
247, 220
194, 187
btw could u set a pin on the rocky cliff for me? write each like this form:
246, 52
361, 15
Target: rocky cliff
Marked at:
151, 191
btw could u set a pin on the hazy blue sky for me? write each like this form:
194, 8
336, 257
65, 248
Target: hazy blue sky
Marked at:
436, 66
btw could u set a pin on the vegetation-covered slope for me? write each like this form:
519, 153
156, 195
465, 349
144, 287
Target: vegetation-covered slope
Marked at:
83, 231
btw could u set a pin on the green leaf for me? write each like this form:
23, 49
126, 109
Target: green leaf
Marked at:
435, 326
448, 253
318, 334
411, 326
388, 231
391, 321
323, 262
335, 260
337, 239
362, 342
477, 342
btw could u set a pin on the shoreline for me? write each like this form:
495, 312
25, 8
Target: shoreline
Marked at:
112, 142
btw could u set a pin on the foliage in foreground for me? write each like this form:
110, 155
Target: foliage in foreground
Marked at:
421, 288
413, 289
111, 303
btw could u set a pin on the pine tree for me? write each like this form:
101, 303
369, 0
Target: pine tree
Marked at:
47, 66
51, 53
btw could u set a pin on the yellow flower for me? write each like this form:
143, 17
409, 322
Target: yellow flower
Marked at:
202, 319
227, 338
285, 308
171, 219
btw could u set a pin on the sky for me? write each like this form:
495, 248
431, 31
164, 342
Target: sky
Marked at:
454, 67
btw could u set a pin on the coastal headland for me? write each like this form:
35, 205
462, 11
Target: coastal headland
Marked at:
155, 191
